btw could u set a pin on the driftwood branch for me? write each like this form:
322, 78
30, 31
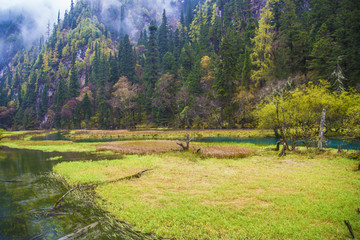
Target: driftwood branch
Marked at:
79, 232
68, 192
38, 237
137, 175
347, 223
51, 213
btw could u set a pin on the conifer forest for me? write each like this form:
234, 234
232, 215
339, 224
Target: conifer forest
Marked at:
199, 64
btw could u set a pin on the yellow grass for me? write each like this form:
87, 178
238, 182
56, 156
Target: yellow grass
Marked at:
226, 151
139, 147
166, 134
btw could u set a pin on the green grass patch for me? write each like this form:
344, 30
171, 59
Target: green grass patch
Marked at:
259, 197
51, 146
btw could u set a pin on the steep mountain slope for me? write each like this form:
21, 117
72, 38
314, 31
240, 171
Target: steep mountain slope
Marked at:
119, 64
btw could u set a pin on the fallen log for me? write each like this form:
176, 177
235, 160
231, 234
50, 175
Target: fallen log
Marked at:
137, 175
79, 232
347, 223
38, 237
68, 192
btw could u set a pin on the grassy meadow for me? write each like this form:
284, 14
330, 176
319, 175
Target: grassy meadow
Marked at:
224, 191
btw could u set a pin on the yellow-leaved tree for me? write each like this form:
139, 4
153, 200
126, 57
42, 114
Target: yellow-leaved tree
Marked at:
297, 114
262, 56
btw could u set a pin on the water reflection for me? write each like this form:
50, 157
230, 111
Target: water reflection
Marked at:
19, 199
24, 202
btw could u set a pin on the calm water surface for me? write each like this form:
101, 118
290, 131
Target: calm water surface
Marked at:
24, 202
21, 203
330, 143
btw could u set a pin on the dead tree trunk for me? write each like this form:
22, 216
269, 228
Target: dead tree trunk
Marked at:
187, 141
321, 132
339, 149
284, 141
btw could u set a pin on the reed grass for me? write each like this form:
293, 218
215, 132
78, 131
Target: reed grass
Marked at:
226, 151
165, 134
139, 147
51, 146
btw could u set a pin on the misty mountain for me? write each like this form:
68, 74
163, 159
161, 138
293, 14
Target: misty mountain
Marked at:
11, 39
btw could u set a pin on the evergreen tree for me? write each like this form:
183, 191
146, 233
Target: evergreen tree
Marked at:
225, 79
61, 93
73, 82
348, 38
104, 114
152, 59
163, 40
323, 55
126, 59
44, 100
86, 108
246, 71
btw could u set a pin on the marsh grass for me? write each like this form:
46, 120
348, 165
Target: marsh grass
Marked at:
140, 147
165, 134
257, 197
226, 151
51, 146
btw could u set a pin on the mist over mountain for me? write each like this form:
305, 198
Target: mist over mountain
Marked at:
22, 23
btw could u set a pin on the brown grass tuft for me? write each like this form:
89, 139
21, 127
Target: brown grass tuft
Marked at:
227, 151
140, 147
42, 143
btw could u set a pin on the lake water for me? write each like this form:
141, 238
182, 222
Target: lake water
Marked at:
23, 203
329, 143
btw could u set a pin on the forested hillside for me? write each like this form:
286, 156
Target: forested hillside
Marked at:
184, 64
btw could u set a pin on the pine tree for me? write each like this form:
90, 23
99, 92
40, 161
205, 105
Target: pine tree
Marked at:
225, 79
73, 83
152, 59
44, 100
163, 40
126, 59
86, 108
61, 93
323, 54
348, 38
246, 71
